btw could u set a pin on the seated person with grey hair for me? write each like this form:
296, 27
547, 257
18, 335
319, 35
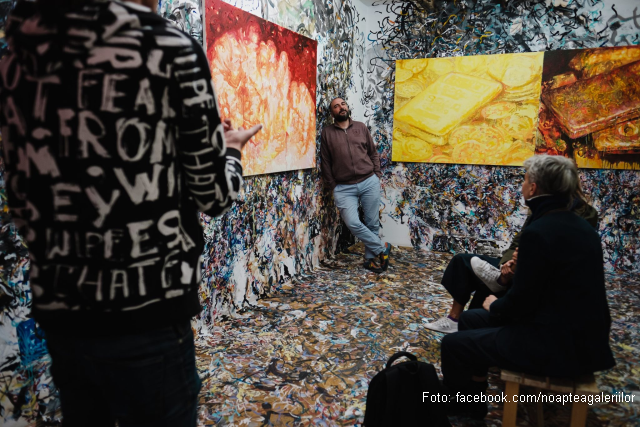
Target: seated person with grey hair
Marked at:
554, 320
483, 275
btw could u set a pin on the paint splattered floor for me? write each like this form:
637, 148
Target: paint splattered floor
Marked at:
306, 356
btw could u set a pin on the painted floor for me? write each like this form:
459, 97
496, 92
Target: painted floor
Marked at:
306, 356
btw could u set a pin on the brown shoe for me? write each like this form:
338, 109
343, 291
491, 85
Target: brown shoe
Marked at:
373, 264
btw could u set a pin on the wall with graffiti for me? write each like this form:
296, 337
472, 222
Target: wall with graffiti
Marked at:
284, 224
185, 14
478, 208
26, 390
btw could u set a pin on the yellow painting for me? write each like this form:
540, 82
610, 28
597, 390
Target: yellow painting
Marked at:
479, 110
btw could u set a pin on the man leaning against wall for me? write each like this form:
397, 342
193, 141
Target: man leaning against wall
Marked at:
351, 169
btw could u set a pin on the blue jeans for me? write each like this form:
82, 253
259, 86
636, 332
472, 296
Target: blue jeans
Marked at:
140, 380
368, 194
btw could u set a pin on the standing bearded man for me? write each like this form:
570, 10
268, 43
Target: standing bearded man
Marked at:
351, 168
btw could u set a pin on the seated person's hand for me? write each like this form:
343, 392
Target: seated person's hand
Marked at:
508, 269
487, 302
238, 138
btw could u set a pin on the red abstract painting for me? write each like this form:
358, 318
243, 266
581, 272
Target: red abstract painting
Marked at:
264, 73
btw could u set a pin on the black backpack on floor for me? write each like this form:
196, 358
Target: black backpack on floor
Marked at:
395, 396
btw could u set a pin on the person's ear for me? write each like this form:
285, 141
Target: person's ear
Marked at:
533, 189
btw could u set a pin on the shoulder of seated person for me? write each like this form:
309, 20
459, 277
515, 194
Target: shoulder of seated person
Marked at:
554, 220
536, 228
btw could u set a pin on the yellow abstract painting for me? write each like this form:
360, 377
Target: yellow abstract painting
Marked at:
479, 110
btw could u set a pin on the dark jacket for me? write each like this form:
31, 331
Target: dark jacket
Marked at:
556, 312
579, 207
113, 143
349, 156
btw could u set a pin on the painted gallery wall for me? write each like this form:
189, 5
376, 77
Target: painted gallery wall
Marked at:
26, 390
283, 224
478, 208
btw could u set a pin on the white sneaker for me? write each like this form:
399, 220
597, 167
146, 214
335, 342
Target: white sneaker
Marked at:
444, 325
487, 273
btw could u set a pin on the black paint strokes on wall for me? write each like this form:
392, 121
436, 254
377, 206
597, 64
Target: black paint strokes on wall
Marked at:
285, 223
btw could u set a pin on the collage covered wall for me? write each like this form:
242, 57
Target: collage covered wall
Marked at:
284, 224
479, 208
26, 390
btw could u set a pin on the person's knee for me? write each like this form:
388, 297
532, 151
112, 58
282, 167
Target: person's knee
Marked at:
450, 344
453, 263
349, 215
372, 222
463, 321
472, 319
353, 223
457, 263
456, 259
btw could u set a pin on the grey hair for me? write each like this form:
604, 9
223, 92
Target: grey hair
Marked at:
555, 175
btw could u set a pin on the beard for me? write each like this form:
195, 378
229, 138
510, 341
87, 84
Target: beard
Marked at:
342, 117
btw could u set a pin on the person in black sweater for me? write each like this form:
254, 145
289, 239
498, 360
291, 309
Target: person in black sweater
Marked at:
113, 144
474, 277
554, 320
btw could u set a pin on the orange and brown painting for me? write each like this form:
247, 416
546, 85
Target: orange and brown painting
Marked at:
264, 73
479, 109
590, 107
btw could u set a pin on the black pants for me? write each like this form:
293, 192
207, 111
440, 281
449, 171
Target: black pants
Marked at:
142, 379
472, 351
460, 280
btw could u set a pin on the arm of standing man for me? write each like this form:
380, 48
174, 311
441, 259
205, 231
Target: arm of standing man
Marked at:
373, 154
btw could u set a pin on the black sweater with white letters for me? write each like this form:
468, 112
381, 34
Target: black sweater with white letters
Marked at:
112, 143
